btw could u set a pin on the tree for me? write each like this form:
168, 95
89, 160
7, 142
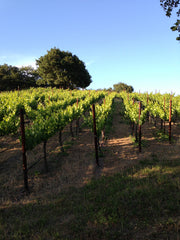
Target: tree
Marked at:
12, 77
62, 69
119, 87
29, 77
168, 6
9, 77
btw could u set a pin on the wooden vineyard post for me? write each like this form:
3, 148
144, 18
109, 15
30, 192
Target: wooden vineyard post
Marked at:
71, 130
147, 116
132, 128
60, 140
77, 126
139, 126
170, 112
45, 157
133, 122
26, 187
95, 135
164, 112
136, 133
77, 120
161, 124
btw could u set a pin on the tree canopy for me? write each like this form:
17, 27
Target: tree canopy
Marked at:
12, 77
62, 69
119, 87
169, 6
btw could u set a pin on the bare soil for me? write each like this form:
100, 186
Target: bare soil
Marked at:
76, 166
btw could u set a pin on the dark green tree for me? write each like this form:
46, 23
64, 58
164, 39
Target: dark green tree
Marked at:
29, 77
62, 69
169, 6
9, 77
119, 87
12, 77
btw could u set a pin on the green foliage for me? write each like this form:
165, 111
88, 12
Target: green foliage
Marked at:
46, 110
62, 69
155, 105
123, 87
29, 76
103, 113
13, 78
168, 6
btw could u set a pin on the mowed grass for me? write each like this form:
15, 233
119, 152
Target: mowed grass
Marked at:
140, 203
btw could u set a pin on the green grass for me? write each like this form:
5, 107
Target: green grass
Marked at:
161, 136
144, 142
117, 207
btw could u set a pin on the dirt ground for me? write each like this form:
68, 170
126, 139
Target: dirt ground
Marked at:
76, 165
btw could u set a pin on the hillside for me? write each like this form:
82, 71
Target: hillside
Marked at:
131, 196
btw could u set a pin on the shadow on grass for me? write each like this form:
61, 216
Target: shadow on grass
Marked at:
142, 202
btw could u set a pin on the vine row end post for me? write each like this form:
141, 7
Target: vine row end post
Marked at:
95, 135
26, 187
139, 126
170, 113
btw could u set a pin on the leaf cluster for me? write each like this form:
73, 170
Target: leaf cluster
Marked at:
168, 6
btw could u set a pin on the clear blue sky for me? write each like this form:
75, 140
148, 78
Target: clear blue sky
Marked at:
118, 40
